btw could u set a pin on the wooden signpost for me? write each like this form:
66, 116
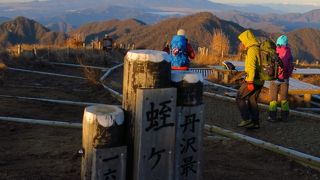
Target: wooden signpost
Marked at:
109, 163
155, 132
189, 125
142, 69
103, 139
19, 51
163, 124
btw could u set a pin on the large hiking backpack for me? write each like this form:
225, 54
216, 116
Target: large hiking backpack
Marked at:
269, 60
178, 50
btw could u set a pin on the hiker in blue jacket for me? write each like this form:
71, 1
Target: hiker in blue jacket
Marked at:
181, 51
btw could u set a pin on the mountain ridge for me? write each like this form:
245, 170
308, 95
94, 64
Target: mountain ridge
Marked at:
74, 13
274, 22
24, 30
200, 28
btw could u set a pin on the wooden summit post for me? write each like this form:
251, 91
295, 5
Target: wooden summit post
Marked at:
189, 125
142, 69
103, 139
154, 144
19, 52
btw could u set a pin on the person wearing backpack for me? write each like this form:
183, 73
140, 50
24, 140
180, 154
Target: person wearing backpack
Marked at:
181, 51
107, 43
281, 84
250, 89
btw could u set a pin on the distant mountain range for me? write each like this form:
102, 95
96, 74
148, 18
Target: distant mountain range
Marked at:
274, 22
199, 27
115, 28
305, 43
60, 27
69, 14
4, 19
78, 18
23, 30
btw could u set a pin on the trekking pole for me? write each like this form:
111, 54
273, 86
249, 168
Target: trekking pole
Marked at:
165, 40
166, 46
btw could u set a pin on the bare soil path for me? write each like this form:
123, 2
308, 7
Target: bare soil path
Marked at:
41, 152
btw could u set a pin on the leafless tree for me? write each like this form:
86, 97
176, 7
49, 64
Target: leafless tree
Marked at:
220, 45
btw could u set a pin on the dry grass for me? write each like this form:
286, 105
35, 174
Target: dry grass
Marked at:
204, 59
210, 59
92, 75
76, 41
65, 54
306, 64
82, 56
88, 55
220, 44
312, 79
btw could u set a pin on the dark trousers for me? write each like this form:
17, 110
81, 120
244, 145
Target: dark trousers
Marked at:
247, 102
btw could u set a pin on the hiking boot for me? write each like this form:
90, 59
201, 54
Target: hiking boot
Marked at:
272, 116
253, 126
244, 123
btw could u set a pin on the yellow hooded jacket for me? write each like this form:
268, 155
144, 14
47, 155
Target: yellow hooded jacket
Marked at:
252, 61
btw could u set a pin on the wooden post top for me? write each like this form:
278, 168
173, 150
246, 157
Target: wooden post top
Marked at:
187, 76
147, 55
189, 87
103, 130
106, 115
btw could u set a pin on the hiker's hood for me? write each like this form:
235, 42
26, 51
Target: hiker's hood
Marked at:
248, 39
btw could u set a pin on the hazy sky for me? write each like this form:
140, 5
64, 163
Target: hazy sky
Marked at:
5, 1
305, 2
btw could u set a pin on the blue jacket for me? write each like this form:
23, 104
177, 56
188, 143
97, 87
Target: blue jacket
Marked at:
178, 51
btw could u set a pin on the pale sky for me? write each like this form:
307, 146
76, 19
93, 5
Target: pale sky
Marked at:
6, 1
304, 2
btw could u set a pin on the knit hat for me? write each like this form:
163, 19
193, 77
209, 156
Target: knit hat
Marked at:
181, 32
282, 40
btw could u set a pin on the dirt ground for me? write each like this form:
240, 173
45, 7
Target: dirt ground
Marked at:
25, 84
39, 152
299, 133
42, 152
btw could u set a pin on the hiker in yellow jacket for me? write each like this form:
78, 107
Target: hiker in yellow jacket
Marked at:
250, 89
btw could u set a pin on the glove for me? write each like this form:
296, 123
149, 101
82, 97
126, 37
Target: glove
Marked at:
250, 86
